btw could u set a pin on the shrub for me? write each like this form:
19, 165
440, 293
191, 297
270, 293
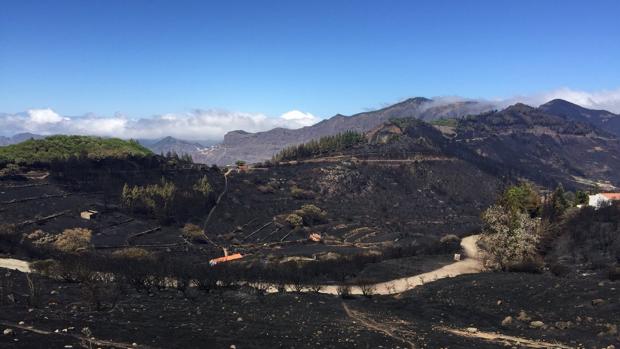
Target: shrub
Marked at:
193, 233
265, 189
311, 214
74, 240
301, 194
9, 170
203, 186
294, 220
134, 253
509, 238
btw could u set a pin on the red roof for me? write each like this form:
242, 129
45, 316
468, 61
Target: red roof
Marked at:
611, 196
231, 257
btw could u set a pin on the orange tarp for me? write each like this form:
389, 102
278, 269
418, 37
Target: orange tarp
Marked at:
232, 257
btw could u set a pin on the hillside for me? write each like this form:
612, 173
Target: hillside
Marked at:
543, 147
260, 146
63, 147
602, 119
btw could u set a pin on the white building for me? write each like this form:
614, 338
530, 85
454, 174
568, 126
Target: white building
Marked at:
603, 199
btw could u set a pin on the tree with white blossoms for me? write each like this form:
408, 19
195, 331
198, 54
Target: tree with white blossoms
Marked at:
510, 238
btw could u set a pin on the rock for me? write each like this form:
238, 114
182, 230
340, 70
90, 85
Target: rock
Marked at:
537, 324
8, 332
563, 325
232, 346
21, 323
597, 302
54, 292
523, 316
239, 319
507, 321
472, 330
134, 344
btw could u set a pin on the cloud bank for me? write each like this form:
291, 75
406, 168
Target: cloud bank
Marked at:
193, 125
211, 125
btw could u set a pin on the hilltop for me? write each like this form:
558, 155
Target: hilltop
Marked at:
64, 147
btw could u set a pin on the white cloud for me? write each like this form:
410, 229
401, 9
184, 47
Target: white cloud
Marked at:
301, 118
44, 116
193, 125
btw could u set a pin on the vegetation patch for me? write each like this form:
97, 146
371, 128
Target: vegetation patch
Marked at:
74, 240
65, 147
322, 146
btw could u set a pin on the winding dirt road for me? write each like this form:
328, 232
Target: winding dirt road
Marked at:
469, 265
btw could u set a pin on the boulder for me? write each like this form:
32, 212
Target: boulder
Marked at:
537, 324
507, 321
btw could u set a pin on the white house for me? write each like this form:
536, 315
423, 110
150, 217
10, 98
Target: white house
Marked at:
603, 199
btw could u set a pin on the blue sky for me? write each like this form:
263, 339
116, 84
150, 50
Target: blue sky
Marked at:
142, 58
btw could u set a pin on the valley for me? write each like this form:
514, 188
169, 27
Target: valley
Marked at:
388, 238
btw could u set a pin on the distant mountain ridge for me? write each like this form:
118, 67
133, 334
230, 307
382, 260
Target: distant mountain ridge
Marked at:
603, 119
18, 138
173, 145
518, 142
260, 146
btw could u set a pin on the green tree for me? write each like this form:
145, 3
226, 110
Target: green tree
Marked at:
581, 198
521, 198
556, 205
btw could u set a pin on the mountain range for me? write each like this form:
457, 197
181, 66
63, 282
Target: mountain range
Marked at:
261, 146
556, 116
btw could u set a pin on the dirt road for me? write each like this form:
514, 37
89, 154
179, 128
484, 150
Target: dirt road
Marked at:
15, 264
470, 265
